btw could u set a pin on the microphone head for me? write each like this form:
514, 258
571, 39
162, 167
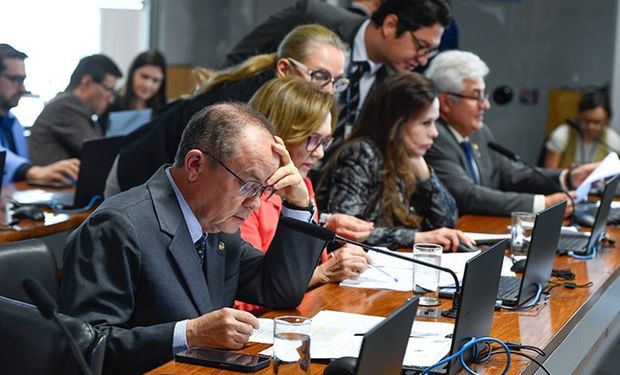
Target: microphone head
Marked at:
574, 125
504, 151
309, 229
40, 298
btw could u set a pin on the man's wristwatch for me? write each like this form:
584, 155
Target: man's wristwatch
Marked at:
309, 208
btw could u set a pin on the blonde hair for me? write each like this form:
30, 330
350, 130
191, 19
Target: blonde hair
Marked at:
294, 106
298, 44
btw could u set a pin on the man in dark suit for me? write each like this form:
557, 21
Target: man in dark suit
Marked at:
400, 35
157, 267
364, 7
482, 181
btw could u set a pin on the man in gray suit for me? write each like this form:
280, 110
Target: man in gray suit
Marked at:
482, 181
157, 267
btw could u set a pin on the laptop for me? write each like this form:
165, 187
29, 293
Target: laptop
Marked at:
125, 122
583, 243
2, 162
475, 313
96, 162
515, 291
375, 356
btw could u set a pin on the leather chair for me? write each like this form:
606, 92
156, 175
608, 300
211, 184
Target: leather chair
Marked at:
27, 259
32, 344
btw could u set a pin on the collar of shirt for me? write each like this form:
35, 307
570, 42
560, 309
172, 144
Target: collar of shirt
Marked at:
8, 120
457, 135
195, 230
359, 49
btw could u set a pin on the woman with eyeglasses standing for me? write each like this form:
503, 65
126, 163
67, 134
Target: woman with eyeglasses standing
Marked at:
304, 118
309, 51
379, 173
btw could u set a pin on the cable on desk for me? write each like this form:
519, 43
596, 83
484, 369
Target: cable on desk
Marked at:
496, 351
472, 344
583, 257
567, 285
58, 208
566, 274
532, 302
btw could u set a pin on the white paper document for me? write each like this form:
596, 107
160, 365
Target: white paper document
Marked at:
337, 334
609, 166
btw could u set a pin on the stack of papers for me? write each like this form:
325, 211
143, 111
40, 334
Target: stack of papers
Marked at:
338, 334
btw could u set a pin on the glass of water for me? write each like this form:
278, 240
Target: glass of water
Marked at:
426, 279
291, 345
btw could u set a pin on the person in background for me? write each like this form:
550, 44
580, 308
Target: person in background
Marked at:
593, 139
364, 7
17, 166
482, 181
303, 117
379, 173
72, 116
158, 267
309, 51
145, 86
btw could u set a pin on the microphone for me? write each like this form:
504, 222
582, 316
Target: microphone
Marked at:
514, 157
49, 310
327, 235
576, 126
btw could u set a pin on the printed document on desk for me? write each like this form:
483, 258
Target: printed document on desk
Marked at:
402, 270
337, 334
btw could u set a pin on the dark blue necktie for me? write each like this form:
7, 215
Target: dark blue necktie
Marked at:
351, 100
471, 164
201, 248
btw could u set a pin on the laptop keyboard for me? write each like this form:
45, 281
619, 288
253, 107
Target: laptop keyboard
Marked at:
587, 214
508, 288
577, 241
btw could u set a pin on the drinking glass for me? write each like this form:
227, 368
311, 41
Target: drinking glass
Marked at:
426, 279
521, 227
291, 345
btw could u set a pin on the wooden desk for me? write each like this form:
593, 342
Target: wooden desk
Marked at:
573, 328
54, 223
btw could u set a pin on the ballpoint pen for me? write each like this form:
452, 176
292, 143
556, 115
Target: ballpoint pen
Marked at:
383, 272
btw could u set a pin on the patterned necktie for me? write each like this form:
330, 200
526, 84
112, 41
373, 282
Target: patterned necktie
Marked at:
471, 164
350, 101
201, 248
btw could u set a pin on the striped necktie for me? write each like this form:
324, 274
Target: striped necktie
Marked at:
351, 101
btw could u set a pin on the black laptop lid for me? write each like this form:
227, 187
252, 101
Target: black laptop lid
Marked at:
384, 346
2, 162
478, 296
544, 243
601, 215
95, 163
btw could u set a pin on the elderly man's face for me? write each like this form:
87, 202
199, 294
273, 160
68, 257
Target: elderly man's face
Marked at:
465, 111
224, 209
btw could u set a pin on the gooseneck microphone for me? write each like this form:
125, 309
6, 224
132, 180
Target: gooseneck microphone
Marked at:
576, 126
514, 157
327, 235
46, 305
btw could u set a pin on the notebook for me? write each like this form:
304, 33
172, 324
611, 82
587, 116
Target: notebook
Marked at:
583, 243
475, 313
124, 122
96, 161
539, 262
376, 357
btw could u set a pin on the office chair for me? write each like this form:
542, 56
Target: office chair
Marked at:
27, 259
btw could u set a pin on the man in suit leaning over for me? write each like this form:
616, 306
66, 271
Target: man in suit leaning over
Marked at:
141, 269
482, 181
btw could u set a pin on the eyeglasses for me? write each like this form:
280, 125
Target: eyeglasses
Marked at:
109, 90
479, 98
315, 140
322, 76
249, 189
422, 48
14, 79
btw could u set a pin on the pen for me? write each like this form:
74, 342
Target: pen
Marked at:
383, 272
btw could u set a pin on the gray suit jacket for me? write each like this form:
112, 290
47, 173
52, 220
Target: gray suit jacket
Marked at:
504, 186
266, 37
131, 269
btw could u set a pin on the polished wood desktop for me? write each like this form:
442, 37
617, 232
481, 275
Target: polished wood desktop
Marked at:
572, 328
24, 229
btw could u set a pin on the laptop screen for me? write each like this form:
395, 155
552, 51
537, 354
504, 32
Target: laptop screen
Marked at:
601, 215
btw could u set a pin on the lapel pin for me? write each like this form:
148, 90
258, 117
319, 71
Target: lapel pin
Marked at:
220, 246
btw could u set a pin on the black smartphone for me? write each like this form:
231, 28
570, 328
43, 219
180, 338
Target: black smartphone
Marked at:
223, 359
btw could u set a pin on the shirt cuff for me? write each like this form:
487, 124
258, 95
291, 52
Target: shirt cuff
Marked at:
301, 215
562, 178
539, 203
179, 338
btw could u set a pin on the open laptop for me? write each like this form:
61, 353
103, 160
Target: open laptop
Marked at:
515, 291
583, 243
376, 357
475, 313
125, 122
95, 163
2, 162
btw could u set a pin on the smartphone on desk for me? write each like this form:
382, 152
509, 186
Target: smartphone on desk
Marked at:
223, 359
51, 184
